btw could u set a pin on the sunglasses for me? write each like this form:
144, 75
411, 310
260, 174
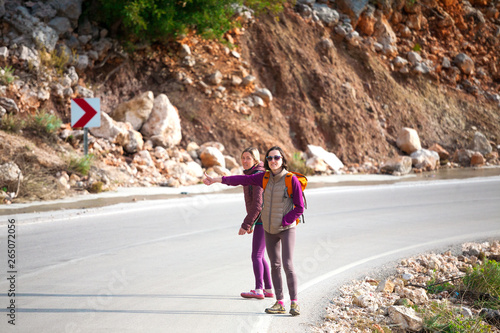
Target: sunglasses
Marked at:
276, 158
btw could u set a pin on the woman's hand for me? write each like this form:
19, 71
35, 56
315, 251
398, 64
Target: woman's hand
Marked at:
209, 180
242, 231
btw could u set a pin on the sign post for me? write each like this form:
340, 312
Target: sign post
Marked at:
85, 112
85, 141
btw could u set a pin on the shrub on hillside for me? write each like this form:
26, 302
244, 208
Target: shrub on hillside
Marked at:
484, 283
12, 123
157, 20
80, 165
46, 123
298, 164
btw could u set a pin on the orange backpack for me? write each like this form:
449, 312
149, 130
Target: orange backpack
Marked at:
288, 183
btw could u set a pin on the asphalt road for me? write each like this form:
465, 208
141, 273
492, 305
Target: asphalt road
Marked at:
178, 265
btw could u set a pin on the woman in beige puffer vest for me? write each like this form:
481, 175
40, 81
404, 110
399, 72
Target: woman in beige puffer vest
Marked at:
279, 213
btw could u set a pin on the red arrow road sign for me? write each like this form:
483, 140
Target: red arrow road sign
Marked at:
89, 112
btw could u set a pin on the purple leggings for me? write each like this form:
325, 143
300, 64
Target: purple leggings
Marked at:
260, 265
283, 242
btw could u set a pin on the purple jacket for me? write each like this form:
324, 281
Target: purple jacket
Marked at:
253, 198
256, 179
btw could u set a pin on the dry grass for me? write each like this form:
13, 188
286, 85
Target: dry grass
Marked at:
39, 164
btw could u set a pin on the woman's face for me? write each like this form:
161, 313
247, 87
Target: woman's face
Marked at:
247, 160
275, 160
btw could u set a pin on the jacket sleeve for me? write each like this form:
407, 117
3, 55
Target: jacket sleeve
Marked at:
255, 179
298, 202
255, 208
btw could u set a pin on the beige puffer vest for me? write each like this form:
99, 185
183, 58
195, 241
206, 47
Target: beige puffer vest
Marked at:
276, 204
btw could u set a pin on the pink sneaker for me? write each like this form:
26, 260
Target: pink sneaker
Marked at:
266, 294
252, 294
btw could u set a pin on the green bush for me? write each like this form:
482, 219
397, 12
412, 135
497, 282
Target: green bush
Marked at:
159, 20
55, 59
259, 6
44, 122
441, 317
484, 282
298, 164
12, 123
96, 187
435, 287
80, 165
7, 75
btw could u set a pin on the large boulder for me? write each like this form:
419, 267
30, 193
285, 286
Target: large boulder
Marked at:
132, 142
231, 162
464, 63
327, 15
481, 144
135, 111
38, 34
425, 159
186, 174
194, 169
353, 9
477, 159
265, 94
384, 34
367, 21
9, 173
406, 318
330, 158
408, 140
444, 156
417, 296
9, 105
72, 9
397, 165
463, 157
211, 156
163, 121
109, 128
317, 164
61, 25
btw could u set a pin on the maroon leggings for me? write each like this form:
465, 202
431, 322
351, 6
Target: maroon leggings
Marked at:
283, 242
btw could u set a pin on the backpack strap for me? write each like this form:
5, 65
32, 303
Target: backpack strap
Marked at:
288, 184
265, 180
289, 189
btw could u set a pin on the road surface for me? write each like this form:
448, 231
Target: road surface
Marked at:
178, 265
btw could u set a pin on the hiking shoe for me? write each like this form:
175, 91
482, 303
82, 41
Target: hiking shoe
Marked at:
252, 294
267, 294
294, 309
277, 308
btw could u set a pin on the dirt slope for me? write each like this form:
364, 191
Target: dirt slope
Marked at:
349, 102
345, 100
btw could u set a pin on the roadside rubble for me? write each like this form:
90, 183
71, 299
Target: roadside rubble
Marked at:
388, 304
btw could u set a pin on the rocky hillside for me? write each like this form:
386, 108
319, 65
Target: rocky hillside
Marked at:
346, 76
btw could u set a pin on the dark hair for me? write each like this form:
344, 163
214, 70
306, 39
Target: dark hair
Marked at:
266, 164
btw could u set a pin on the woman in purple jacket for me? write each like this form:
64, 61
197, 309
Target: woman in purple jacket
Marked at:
279, 213
250, 159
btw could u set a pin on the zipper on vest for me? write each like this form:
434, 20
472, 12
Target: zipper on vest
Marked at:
271, 204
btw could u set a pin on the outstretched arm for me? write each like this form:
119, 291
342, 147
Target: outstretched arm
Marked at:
255, 179
211, 180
